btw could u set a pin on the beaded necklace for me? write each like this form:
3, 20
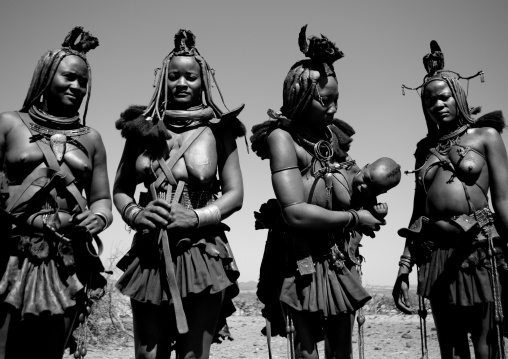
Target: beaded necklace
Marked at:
445, 142
57, 130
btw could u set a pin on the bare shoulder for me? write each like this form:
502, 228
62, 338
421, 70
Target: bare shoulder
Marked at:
10, 118
94, 135
486, 134
279, 137
8, 121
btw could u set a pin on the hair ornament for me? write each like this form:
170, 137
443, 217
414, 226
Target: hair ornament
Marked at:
319, 49
86, 41
434, 65
185, 42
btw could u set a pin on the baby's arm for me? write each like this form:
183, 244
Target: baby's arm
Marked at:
379, 210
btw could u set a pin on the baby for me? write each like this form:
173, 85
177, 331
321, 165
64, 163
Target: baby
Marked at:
371, 181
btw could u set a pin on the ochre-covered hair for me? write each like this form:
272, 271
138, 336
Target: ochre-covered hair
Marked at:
145, 125
301, 81
49, 62
299, 86
434, 65
185, 45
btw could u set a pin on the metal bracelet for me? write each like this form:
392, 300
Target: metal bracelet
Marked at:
208, 215
355, 219
104, 218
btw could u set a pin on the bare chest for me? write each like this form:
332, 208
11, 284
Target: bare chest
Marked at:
191, 160
23, 155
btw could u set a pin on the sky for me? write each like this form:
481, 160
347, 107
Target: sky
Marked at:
251, 45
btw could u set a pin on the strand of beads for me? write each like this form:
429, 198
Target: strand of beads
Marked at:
86, 310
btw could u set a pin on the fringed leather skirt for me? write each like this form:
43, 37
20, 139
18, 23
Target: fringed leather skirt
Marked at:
327, 290
456, 269
202, 260
44, 274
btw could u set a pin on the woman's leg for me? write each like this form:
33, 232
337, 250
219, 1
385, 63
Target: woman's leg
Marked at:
7, 326
202, 311
452, 329
152, 330
483, 331
306, 326
338, 331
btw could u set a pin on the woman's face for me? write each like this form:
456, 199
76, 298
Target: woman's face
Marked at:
68, 87
184, 82
323, 105
440, 103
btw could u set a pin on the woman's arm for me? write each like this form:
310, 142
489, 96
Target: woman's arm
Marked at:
99, 215
155, 214
290, 192
400, 292
230, 175
495, 153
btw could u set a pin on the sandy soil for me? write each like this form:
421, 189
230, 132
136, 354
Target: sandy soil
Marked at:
391, 336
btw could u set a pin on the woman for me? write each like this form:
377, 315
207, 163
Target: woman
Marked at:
308, 248
453, 239
180, 273
55, 200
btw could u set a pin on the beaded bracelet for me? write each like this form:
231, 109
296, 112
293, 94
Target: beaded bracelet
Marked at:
208, 215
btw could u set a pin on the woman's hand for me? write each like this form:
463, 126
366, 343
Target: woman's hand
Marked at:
154, 215
400, 291
91, 221
182, 218
368, 224
161, 214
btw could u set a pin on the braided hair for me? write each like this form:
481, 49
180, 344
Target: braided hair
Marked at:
145, 125
185, 45
301, 81
434, 64
49, 62
298, 89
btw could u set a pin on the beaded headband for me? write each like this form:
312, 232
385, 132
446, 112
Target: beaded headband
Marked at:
434, 64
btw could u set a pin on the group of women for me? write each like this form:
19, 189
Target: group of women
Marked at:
180, 272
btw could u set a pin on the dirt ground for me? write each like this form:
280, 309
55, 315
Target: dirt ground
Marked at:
391, 336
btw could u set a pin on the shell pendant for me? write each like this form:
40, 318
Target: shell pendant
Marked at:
57, 143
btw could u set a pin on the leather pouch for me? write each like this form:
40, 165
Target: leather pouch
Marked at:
415, 229
464, 222
305, 266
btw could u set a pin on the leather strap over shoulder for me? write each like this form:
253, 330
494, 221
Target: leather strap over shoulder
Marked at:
67, 176
181, 320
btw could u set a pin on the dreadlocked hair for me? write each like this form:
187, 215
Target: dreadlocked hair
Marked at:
434, 65
460, 97
185, 42
301, 81
145, 125
49, 62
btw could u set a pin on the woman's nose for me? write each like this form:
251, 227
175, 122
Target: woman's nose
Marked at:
181, 81
332, 109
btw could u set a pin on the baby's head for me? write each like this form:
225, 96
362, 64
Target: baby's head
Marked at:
376, 178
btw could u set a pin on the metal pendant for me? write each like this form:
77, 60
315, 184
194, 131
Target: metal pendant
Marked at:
57, 143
